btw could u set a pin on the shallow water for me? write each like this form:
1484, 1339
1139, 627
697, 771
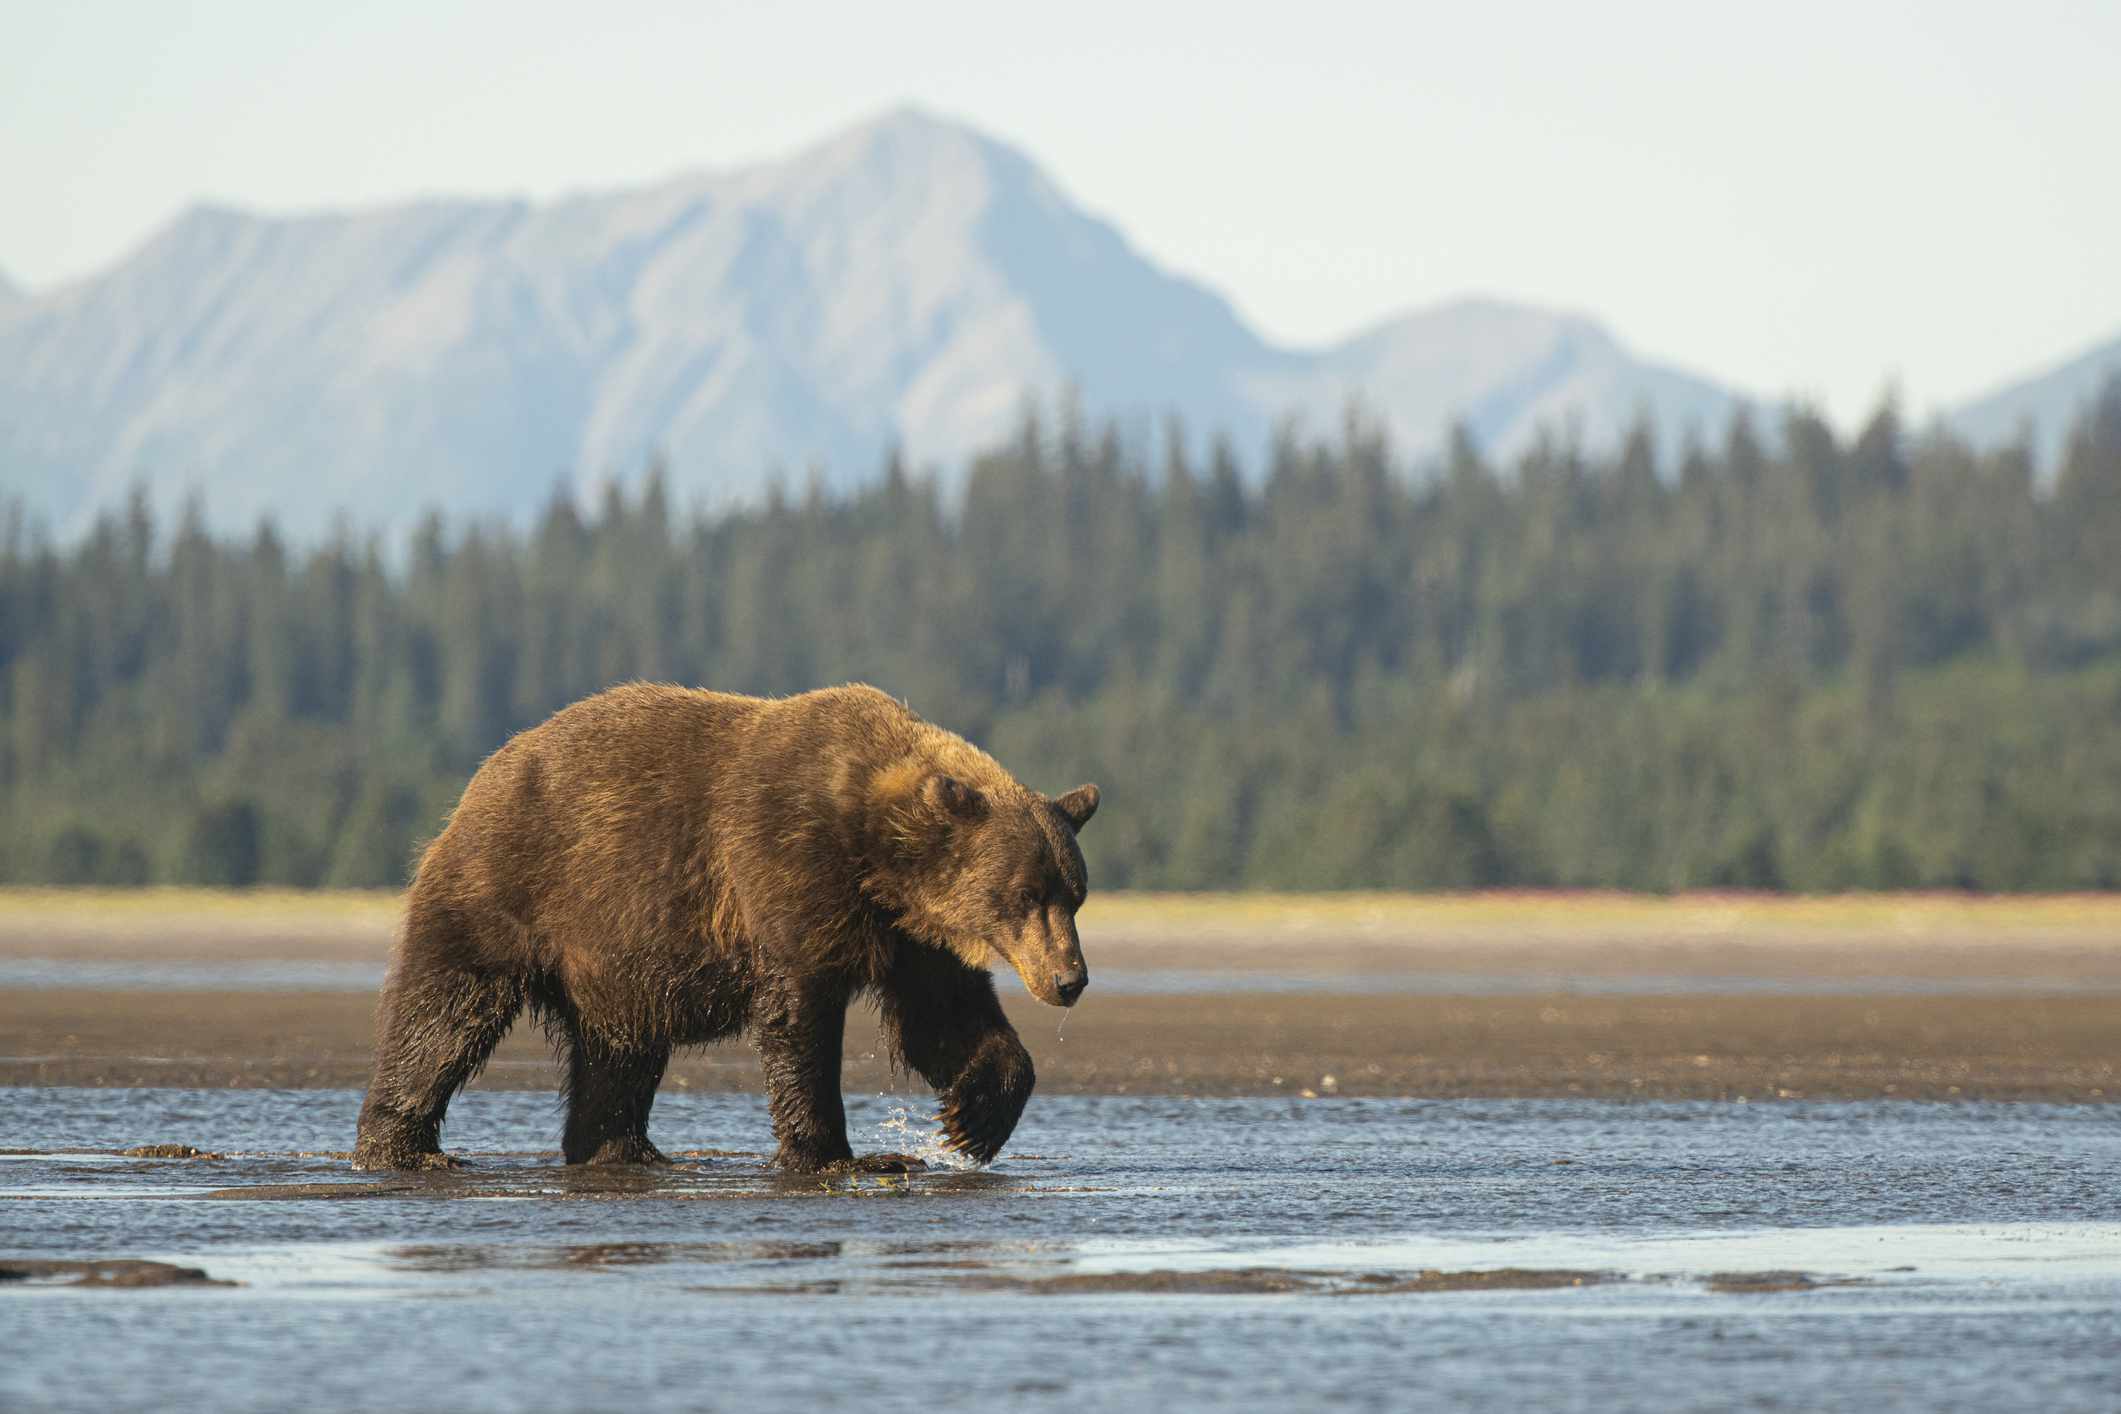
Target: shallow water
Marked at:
1126, 1252
321, 975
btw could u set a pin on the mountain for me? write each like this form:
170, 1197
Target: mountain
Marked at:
910, 282
1505, 370
11, 294
2046, 404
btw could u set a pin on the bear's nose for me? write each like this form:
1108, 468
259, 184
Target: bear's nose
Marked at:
1070, 984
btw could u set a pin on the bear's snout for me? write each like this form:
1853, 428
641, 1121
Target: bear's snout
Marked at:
1047, 955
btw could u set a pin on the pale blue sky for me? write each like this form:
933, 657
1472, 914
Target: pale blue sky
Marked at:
1799, 199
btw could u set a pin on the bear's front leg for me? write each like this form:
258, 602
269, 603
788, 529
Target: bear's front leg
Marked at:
798, 1028
981, 1107
949, 1027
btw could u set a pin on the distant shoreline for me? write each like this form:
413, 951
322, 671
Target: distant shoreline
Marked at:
1590, 933
1370, 908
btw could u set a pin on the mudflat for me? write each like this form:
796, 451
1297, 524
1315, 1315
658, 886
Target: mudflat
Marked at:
1668, 1047
1525, 995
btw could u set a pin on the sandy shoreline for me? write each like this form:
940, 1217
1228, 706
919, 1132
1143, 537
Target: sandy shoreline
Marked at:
1992, 1036
2072, 937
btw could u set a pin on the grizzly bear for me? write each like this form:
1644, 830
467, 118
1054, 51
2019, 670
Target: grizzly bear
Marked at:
660, 866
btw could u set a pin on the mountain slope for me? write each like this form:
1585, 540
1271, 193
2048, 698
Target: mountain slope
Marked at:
908, 282
2046, 405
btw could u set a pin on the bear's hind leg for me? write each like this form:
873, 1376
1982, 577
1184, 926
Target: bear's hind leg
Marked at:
438, 1025
609, 1093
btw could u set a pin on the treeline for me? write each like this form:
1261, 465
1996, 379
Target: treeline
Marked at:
1787, 661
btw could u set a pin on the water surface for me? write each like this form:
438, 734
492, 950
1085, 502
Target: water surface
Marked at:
1127, 1252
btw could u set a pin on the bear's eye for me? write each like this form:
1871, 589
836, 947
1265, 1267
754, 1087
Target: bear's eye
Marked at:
1028, 899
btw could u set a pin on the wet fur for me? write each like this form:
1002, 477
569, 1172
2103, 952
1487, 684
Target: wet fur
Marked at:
658, 867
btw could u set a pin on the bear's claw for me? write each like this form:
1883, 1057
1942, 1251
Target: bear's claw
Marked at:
979, 1137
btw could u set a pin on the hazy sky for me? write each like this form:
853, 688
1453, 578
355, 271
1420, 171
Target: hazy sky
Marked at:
1807, 199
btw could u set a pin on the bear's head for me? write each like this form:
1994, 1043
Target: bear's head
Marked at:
984, 867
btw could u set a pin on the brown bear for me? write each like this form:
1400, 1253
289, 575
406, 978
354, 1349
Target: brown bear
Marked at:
660, 866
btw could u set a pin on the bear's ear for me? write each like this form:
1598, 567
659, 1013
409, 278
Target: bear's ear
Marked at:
1078, 805
953, 797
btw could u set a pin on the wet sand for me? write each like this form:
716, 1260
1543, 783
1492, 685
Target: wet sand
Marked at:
123, 1272
1910, 1047
2034, 1010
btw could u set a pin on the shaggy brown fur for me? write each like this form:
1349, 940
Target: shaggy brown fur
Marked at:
657, 867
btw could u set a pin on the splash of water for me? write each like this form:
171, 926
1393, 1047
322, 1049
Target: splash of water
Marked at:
903, 1132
